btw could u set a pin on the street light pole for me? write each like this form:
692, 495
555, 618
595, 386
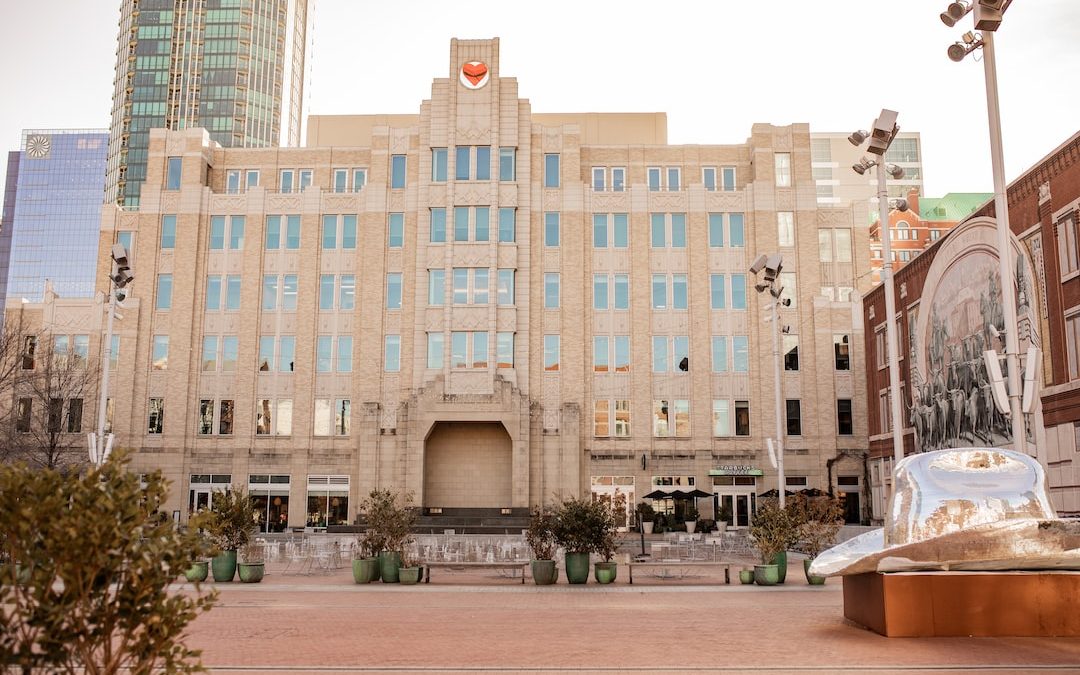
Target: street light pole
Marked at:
779, 397
1001, 210
890, 315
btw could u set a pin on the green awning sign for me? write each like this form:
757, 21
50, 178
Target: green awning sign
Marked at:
736, 470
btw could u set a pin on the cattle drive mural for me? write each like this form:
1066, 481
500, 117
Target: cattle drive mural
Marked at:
958, 317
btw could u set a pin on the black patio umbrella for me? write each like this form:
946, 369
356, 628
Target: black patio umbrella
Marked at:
679, 494
657, 494
812, 492
774, 493
698, 494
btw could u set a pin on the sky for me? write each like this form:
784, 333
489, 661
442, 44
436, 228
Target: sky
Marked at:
715, 68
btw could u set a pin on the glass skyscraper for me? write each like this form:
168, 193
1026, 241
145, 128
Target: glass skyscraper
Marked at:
234, 67
52, 213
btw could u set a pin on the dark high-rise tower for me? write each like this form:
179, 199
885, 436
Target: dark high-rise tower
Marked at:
235, 67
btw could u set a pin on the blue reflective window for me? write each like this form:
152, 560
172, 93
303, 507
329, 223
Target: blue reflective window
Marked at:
164, 292
719, 354
168, 231
481, 223
738, 291
236, 233
551, 171
273, 233
659, 230
551, 228
395, 236
735, 229
600, 230
716, 229
217, 233
483, 162
438, 165
172, 173
213, 292
232, 292
716, 291
397, 172
348, 232
461, 162
507, 225
740, 354
438, 226
292, 232
620, 230
329, 232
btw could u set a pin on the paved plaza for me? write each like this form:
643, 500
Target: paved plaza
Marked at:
481, 621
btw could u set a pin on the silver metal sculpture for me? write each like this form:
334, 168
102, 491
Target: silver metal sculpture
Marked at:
962, 509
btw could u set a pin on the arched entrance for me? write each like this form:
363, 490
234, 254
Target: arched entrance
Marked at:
468, 465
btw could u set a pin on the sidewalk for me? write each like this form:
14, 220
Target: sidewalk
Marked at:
482, 622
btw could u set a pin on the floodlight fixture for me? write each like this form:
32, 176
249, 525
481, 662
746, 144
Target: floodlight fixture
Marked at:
859, 137
959, 50
900, 204
894, 171
863, 165
761, 286
954, 12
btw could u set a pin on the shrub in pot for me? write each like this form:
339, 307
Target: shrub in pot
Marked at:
231, 523
690, 517
365, 564
410, 571
724, 518
390, 519
605, 570
773, 531
819, 520
540, 536
581, 526
251, 566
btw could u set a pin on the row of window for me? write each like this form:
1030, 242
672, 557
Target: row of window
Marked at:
671, 418
474, 163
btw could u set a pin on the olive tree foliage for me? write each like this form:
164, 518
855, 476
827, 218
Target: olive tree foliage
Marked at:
88, 563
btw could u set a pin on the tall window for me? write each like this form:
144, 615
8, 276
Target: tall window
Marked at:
159, 359
742, 418
551, 171
274, 234
438, 165
716, 291
392, 353
273, 417
551, 290
668, 229
506, 287
163, 298
156, 416
435, 346
438, 226
1072, 345
844, 424
1068, 245
339, 231
508, 224
791, 352
436, 287
841, 352
783, 169
397, 172
504, 350
551, 352
551, 228
794, 417
610, 229
507, 164
740, 354
721, 417
736, 237
168, 232
708, 178
738, 291
173, 168
728, 175
393, 290
720, 353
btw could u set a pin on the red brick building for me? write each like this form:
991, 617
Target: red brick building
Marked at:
948, 306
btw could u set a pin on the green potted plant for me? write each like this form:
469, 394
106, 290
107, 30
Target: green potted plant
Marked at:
410, 571
540, 537
252, 564
746, 576
819, 521
390, 520
365, 565
773, 530
605, 570
581, 526
690, 517
230, 527
200, 568
646, 514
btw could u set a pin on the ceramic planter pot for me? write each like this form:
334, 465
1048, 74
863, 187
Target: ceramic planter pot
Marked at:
691, 525
780, 560
812, 579
577, 568
365, 570
198, 571
544, 572
409, 576
389, 564
604, 572
746, 576
647, 527
224, 566
766, 575
251, 573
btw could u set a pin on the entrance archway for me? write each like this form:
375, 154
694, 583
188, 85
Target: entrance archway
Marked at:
468, 465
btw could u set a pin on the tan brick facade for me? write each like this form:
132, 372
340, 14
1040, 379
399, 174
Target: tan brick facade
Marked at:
548, 445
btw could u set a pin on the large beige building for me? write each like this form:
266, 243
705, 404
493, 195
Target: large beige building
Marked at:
487, 308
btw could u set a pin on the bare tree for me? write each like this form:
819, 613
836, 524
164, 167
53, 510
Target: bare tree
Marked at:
51, 406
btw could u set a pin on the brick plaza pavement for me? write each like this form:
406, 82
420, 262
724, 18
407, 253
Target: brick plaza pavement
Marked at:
479, 621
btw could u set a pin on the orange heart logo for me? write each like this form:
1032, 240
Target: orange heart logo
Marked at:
474, 74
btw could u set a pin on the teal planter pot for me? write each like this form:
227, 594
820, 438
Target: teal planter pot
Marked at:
389, 564
780, 560
544, 572
812, 579
766, 575
198, 571
409, 576
605, 572
224, 566
365, 570
577, 568
746, 576
251, 573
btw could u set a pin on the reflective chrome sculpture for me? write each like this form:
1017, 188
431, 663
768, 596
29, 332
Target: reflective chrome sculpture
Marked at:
962, 509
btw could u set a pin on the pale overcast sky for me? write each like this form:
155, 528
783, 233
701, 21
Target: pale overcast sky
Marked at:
715, 68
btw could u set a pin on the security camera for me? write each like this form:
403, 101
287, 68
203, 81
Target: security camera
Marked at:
121, 295
885, 129
759, 263
773, 265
